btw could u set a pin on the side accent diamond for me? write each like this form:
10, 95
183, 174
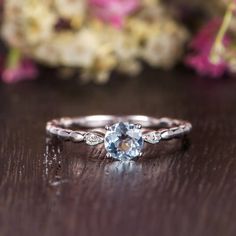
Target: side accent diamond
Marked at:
152, 137
93, 139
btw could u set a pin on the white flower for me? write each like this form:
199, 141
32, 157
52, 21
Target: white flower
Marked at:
77, 50
125, 46
70, 8
163, 47
38, 21
82, 49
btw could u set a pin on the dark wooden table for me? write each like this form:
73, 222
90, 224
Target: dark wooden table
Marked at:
177, 189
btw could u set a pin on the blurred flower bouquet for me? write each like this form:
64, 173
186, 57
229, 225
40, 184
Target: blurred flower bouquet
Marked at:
92, 38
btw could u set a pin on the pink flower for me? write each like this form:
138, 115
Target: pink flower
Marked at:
201, 46
26, 70
113, 11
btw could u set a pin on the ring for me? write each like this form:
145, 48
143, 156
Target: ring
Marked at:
123, 136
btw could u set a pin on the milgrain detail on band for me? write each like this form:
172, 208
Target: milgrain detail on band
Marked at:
176, 132
154, 130
65, 134
90, 138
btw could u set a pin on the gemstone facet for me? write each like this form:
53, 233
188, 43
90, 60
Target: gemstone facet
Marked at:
123, 141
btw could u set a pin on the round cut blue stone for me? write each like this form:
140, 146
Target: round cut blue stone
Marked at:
123, 141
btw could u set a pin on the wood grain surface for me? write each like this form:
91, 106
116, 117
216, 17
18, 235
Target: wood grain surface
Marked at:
177, 189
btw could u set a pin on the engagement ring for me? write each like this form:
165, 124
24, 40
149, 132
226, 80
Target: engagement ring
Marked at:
123, 136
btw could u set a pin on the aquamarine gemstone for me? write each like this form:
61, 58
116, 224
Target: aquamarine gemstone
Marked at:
123, 141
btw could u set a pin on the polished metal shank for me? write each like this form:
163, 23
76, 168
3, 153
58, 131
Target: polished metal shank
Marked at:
91, 129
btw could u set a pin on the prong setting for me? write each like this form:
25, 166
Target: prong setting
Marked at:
107, 127
138, 126
108, 155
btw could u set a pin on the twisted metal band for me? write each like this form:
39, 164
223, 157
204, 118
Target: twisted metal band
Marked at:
91, 129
